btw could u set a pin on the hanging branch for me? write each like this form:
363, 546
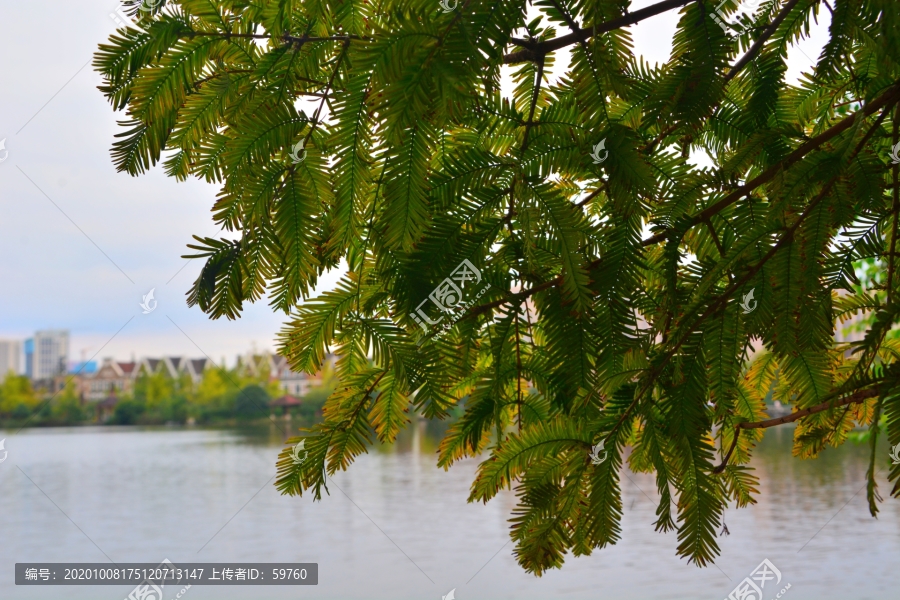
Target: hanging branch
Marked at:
856, 398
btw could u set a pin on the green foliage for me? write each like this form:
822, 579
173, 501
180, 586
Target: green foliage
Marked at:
20, 412
251, 402
67, 406
15, 393
619, 274
154, 389
127, 412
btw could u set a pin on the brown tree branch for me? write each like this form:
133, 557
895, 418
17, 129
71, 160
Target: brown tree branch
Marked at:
785, 239
889, 97
714, 306
742, 62
769, 174
293, 39
593, 194
757, 46
727, 457
856, 398
516, 297
531, 50
895, 209
539, 78
337, 67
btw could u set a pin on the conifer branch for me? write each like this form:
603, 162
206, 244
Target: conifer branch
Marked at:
757, 46
786, 238
337, 67
532, 50
738, 66
714, 306
855, 398
892, 96
895, 209
888, 97
512, 298
291, 39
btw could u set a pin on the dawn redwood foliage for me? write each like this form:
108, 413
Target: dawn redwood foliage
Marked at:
619, 272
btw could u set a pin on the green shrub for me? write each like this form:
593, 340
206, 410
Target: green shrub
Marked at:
127, 412
251, 403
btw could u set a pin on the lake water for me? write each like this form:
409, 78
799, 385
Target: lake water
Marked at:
396, 527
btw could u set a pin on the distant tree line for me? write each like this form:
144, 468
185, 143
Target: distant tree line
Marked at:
222, 395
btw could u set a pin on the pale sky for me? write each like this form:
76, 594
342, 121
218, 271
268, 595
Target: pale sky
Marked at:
80, 243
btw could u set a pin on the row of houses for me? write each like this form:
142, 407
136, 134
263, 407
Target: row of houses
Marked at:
117, 378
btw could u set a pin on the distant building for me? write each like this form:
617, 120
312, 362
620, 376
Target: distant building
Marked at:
255, 365
29, 358
85, 367
10, 358
149, 366
106, 407
58, 384
297, 383
112, 378
174, 367
195, 368
276, 366
50, 354
294, 383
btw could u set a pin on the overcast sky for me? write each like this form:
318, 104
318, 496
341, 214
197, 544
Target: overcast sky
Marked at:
80, 244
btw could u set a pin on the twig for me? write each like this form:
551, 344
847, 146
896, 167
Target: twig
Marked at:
532, 51
763, 38
858, 397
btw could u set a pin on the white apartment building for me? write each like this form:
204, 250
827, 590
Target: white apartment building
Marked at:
51, 354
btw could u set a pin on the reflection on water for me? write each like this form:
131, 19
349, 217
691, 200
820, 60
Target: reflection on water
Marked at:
395, 526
